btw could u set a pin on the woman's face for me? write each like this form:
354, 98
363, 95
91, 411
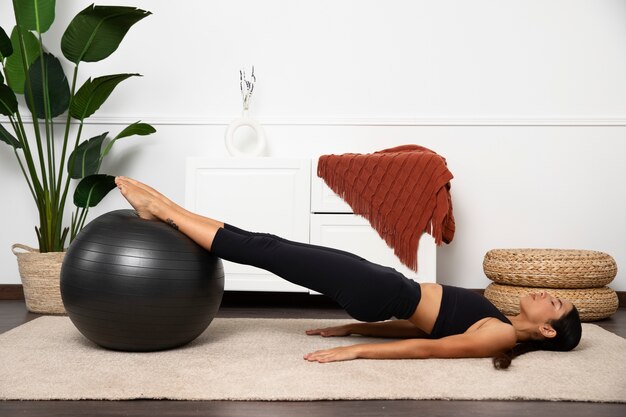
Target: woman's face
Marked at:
541, 307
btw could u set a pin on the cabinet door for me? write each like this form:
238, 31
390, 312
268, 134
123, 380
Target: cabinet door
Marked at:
257, 194
354, 234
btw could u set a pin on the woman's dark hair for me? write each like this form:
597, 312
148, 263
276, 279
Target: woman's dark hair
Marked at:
568, 332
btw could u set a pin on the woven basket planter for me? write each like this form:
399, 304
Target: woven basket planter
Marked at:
550, 268
592, 303
40, 274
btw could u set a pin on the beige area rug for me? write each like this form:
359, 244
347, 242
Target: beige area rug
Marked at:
261, 359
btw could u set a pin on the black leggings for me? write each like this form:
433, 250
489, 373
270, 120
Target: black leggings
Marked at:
367, 291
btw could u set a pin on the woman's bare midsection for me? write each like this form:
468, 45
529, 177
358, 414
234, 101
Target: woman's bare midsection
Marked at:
428, 308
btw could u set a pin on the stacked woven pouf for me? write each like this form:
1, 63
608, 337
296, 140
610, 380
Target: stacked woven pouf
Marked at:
579, 276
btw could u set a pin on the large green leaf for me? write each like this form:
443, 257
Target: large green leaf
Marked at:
7, 137
141, 129
85, 160
57, 86
137, 128
14, 70
96, 32
94, 93
35, 14
92, 189
8, 101
6, 49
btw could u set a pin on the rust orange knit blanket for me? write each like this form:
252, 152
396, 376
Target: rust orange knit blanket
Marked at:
402, 191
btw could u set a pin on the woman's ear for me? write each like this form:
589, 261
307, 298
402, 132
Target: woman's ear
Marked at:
547, 331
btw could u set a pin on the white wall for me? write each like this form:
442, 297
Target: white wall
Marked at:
525, 99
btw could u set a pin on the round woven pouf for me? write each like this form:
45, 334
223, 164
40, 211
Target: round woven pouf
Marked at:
592, 303
550, 268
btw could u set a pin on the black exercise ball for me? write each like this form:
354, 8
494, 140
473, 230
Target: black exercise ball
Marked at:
133, 284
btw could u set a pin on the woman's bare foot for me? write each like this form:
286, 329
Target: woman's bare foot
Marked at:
142, 201
150, 190
169, 202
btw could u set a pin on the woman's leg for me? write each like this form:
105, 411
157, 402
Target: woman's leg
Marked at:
200, 229
368, 292
247, 233
217, 223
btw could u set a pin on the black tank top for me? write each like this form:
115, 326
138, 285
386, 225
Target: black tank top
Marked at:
460, 308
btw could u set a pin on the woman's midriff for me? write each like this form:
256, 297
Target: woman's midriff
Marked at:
428, 308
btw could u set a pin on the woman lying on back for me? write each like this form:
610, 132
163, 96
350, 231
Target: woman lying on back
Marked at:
435, 321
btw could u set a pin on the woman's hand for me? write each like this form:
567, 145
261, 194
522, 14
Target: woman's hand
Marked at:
342, 353
331, 331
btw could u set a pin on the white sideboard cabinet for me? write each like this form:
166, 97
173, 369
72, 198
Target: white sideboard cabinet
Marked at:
285, 197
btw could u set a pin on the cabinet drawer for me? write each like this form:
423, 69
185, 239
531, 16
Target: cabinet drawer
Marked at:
354, 234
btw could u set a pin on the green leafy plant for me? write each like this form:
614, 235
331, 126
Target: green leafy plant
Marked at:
36, 77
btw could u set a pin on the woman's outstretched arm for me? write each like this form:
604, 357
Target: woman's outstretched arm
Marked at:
400, 329
484, 342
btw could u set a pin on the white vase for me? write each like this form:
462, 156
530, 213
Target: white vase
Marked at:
229, 136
